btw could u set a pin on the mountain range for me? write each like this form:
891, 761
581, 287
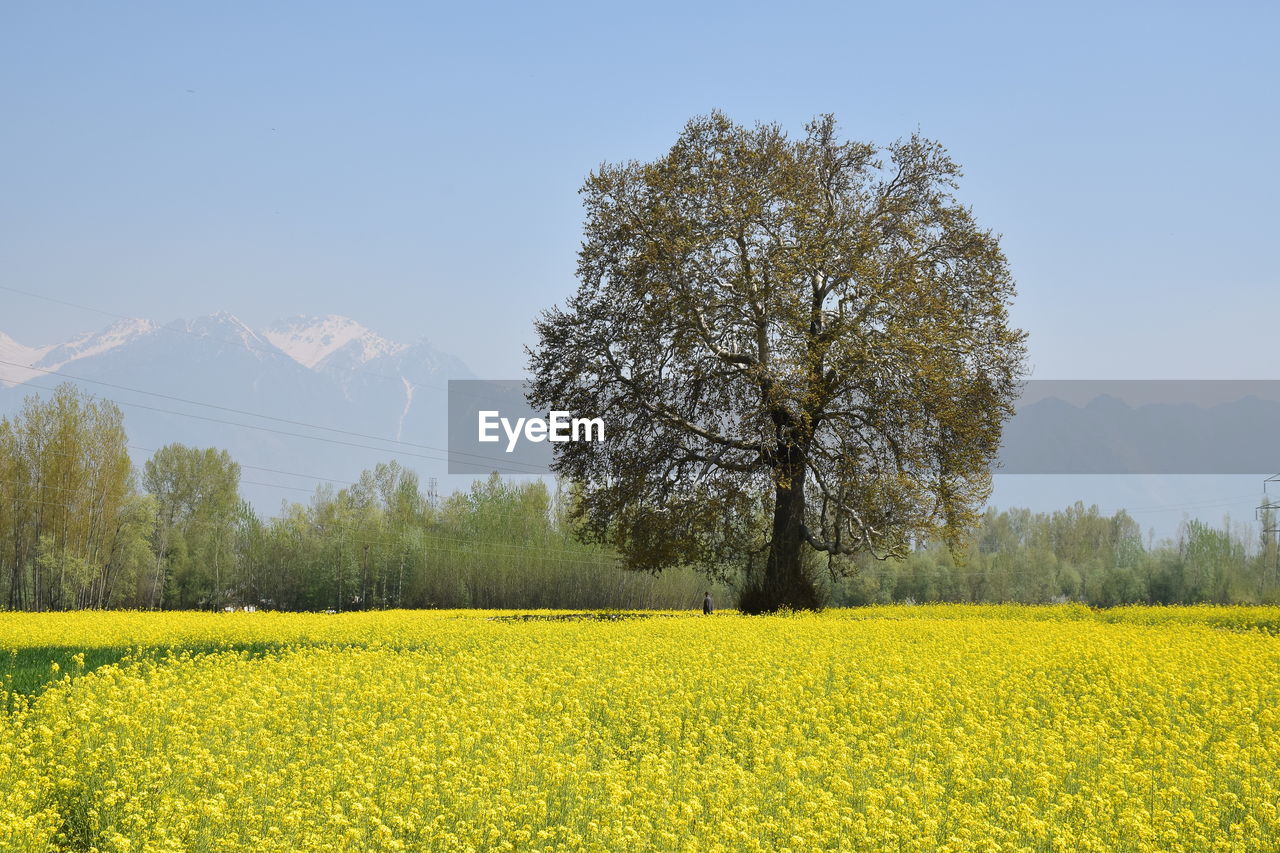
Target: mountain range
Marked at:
301, 373
380, 399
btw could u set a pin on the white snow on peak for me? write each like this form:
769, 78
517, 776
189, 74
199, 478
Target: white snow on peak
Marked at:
21, 355
222, 325
226, 328
333, 343
311, 340
55, 356
95, 343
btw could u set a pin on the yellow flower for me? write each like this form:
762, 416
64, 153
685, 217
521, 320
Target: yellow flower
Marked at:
926, 728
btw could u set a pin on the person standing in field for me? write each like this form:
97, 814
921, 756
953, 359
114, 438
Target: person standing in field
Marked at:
706, 604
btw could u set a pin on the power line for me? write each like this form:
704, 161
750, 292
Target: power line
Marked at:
126, 493
1140, 510
65, 454
1134, 510
93, 497
513, 548
540, 468
278, 471
277, 486
1197, 505
52, 452
275, 431
241, 343
96, 497
204, 336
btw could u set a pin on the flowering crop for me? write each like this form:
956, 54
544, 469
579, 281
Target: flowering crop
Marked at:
948, 729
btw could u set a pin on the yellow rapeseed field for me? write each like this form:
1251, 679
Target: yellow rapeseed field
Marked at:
906, 728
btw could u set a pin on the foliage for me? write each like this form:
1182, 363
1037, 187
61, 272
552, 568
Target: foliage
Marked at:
68, 518
76, 532
197, 493
797, 344
1076, 554
379, 544
938, 728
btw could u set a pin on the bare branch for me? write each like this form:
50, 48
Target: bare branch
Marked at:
722, 353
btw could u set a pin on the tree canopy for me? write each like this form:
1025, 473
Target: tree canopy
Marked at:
71, 525
798, 345
197, 495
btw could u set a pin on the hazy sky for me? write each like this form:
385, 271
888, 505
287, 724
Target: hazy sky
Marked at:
416, 167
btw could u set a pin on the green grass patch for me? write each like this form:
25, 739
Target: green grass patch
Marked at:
26, 672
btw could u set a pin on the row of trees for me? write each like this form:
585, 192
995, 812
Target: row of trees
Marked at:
71, 519
1076, 554
379, 543
80, 527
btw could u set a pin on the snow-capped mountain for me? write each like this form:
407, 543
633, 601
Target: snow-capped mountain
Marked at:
318, 395
15, 358
56, 356
363, 364
312, 341
90, 344
332, 344
226, 330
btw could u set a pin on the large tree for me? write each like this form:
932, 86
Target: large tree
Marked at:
796, 344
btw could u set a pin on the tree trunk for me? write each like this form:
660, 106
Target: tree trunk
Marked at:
364, 581
785, 584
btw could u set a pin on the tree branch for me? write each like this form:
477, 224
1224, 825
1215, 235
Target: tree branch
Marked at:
672, 417
722, 353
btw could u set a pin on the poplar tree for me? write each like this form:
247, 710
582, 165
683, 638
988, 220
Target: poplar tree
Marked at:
66, 482
197, 503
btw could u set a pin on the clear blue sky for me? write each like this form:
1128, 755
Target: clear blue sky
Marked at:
416, 167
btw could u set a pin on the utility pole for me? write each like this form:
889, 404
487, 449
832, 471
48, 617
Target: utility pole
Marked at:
1269, 515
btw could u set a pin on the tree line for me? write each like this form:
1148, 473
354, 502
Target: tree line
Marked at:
82, 527
1076, 554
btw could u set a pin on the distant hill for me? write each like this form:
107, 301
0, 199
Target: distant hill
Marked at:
331, 371
328, 371
1107, 435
